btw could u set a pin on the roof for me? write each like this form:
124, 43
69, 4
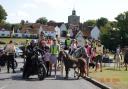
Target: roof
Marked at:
34, 28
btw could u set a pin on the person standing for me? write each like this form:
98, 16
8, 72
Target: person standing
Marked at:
46, 54
25, 49
54, 50
67, 42
99, 53
10, 50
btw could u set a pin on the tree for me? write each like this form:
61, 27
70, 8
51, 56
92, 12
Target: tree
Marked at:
7, 26
110, 37
101, 22
3, 14
122, 25
42, 20
90, 22
22, 22
51, 23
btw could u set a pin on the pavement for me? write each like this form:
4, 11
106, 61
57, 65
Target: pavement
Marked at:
15, 81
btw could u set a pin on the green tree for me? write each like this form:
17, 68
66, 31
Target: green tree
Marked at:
7, 26
101, 22
3, 14
90, 22
110, 37
122, 25
42, 20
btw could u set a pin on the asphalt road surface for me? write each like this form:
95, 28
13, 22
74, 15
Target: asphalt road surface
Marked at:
15, 81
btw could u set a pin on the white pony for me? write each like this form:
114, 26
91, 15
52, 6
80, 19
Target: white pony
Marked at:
117, 61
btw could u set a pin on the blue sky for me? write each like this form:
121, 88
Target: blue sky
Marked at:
59, 10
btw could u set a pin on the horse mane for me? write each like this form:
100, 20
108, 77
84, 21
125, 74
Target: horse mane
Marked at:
69, 57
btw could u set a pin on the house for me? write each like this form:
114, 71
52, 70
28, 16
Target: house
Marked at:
36, 28
73, 29
80, 38
18, 35
57, 29
4, 33
95, 33
47, 30
63, 30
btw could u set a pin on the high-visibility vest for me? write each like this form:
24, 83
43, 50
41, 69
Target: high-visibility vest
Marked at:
54, 49
68, 42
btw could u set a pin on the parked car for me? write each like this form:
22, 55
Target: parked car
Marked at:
19, 52
107, 60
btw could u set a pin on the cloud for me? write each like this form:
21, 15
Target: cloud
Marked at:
53, 3
18, 16
29, 5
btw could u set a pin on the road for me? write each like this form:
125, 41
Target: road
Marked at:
15, 81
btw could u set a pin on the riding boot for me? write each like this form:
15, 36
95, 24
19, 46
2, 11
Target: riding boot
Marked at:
8, 66
13, 66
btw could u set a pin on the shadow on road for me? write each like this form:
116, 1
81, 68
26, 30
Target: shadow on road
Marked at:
58, 77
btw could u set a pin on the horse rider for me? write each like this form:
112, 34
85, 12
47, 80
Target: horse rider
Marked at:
29, 54
73, 46
54, 50
10, 50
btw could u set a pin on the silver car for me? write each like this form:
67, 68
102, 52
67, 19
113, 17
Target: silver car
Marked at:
19, 52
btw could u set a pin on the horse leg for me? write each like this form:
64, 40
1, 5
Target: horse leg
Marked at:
61, 68
101, 67
74, 72
79, 74
66, 69
126, 66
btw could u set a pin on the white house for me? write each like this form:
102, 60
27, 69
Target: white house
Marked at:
47, 30
20, 35
62, 28
80, 39
4, 33
95, 33
57, 29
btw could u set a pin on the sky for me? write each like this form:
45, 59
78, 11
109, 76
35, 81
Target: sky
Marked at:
59, 10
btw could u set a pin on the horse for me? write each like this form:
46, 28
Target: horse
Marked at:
117, 59
126, 59
72, 62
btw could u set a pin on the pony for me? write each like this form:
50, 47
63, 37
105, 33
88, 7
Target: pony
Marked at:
73, 62
126, 58
117, 61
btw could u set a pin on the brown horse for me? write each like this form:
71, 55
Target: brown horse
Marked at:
72, 62
126, 58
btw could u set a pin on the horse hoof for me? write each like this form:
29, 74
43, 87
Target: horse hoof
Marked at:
84, 77
77, 78
65, 77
